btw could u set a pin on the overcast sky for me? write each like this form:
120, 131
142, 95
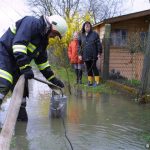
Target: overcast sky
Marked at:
12, 10
137, 5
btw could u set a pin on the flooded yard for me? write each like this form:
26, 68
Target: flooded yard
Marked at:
93, 122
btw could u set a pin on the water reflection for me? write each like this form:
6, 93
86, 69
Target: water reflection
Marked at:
93, 122
78, 93
105, 118
20, 142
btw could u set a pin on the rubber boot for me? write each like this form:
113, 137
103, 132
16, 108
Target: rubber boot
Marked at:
97, 81
3, 92
77, 76
90, 80
22, 116
1, 98
80, 76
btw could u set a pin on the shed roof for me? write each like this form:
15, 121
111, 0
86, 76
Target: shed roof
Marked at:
145, 13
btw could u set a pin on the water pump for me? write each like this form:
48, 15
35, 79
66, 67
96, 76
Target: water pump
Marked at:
58, 105
58, 100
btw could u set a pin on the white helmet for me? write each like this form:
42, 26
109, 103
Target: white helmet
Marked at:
58, 23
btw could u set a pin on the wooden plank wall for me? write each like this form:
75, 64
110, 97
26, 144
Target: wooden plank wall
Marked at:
121, 60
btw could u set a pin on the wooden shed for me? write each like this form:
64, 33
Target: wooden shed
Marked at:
128, 36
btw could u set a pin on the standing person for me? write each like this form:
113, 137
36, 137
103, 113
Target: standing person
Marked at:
89, 50
73, 57
28, 39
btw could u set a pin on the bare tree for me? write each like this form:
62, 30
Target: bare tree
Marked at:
41, 7
103, 9
66, 8
99, 9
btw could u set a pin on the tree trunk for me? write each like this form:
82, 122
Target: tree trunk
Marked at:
106, 51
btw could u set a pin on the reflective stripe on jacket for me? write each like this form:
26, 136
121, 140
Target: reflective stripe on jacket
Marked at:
24, 41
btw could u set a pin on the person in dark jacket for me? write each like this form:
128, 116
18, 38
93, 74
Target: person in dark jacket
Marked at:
90, 48
26, 40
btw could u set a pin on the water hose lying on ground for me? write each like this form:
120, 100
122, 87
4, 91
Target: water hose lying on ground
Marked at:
55, 89
7, 131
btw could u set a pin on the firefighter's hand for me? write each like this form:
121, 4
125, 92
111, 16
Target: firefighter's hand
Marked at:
57, 82
29, 74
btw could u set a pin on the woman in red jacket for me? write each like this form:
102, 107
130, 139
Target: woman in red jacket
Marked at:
73, 57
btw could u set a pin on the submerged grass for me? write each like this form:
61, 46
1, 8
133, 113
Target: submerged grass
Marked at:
146, 137
68, 76
102, 88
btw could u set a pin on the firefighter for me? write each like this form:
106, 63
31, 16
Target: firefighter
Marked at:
24, 41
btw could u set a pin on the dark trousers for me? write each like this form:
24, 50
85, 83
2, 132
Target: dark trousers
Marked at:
91, 68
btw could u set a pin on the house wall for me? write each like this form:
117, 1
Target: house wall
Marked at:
100, 30
129, 65
132, 25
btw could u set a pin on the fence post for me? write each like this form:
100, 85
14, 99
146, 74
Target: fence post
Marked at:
12, 113
145, 80
106, 51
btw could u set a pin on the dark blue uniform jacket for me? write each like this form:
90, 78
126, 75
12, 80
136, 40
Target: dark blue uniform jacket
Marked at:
22, 42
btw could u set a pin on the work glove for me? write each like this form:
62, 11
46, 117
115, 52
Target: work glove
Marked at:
57, 82
28, 74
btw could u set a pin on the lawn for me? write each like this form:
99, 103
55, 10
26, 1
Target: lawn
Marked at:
68, 76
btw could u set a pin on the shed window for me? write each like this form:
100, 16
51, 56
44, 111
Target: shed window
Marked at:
118, 37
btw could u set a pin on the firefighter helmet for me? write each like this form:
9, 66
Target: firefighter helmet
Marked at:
58, 23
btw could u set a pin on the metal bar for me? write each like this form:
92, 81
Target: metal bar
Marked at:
52, 86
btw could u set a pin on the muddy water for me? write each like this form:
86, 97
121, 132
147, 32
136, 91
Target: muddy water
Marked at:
92, 122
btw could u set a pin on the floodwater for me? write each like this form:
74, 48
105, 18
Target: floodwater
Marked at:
92, 122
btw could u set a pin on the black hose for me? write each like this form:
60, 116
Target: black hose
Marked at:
50, 84
66, 132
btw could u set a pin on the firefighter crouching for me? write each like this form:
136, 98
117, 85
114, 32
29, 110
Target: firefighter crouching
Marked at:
27, 39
